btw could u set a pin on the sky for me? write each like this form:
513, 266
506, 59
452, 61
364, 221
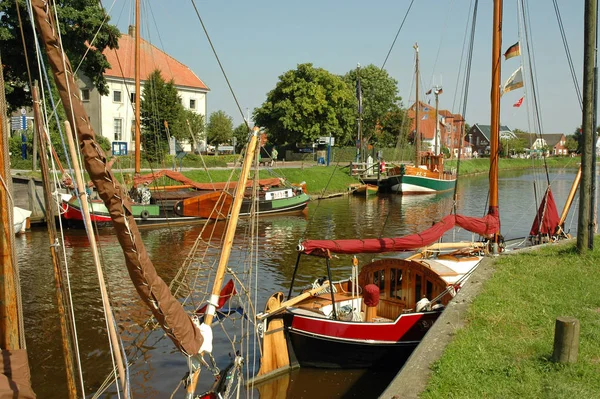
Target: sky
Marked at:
258, 41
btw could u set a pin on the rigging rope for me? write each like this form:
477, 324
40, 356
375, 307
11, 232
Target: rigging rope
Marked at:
397, 33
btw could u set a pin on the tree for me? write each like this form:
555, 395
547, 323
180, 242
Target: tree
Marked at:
219, 129
394, 129
160, 102
308, 103
379, 97
193, 125
79, 20
572, 144
241, 136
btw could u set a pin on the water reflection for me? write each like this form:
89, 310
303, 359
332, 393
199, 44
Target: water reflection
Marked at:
158, 368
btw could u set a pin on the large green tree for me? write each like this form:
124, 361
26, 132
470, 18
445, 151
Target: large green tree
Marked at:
305, 104
220, 128
160, 102
240, 133
80, 22
379, 98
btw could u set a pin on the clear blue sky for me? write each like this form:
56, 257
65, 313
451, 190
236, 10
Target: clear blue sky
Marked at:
259, 41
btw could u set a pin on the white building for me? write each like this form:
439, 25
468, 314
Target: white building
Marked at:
113, 116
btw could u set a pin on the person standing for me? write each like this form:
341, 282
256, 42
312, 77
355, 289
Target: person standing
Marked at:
274, 154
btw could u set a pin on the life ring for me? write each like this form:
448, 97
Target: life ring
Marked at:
144, 214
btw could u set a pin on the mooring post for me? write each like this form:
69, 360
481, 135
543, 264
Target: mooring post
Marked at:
566, 340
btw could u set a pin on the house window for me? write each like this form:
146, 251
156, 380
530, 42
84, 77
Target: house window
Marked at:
85, 94
192, 103
117, 96
132, 95
118, 129
133, 130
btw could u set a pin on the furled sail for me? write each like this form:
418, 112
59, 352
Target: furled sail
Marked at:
486, 226
152, 289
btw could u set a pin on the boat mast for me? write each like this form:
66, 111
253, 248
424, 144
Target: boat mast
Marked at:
417, 135
495, 103
437, 90
137, 90
359, 98
227, 244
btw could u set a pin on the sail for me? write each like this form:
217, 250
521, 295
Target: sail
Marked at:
173, 175
546, 220
486, 226
152, 289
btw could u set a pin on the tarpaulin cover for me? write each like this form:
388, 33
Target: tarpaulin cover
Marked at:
15, 380
173, 175
485, 226
547, 214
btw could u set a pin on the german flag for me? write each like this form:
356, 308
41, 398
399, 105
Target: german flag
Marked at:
512, 51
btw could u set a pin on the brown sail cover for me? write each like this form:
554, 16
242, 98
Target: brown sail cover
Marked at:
547, 219
15, 380
485, 226
174, 175
151, 288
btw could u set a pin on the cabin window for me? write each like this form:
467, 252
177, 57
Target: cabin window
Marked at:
192, 103
418, 287
396, 283
379, 280
118, 129
117, 96
429, 289
85, 94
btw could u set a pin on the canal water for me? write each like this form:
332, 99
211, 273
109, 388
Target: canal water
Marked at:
158, 367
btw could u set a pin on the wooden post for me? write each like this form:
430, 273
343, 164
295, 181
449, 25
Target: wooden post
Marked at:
566, 340
34, 205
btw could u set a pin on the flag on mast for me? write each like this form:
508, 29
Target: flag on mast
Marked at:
518, 103
359, 96
512, 51
514, 82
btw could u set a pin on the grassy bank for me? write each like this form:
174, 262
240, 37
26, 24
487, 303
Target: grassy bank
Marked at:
505, 349
320, 180
482, 165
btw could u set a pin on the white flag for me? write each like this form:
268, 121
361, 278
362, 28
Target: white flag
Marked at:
514, 82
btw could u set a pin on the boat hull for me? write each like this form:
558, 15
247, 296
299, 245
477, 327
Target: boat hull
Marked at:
407, 184
154, 216
325, 343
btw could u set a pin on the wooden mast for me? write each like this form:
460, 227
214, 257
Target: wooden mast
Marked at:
495, 110
417, 135
137, 90
40, 132
227, 244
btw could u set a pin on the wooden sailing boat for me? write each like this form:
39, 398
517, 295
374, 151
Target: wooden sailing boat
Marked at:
379, 315
427, 174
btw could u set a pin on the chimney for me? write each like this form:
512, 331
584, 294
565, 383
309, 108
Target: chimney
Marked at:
131, 31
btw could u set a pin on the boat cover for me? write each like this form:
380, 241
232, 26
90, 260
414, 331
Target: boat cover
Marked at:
486, 226
547, 219
15, 380
174, 175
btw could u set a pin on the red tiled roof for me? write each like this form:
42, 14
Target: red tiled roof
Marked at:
122, 61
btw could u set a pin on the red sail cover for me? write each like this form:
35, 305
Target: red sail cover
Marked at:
547, 214
485, 226
173, 175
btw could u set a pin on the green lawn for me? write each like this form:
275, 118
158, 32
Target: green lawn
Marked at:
320, 180
505, 350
